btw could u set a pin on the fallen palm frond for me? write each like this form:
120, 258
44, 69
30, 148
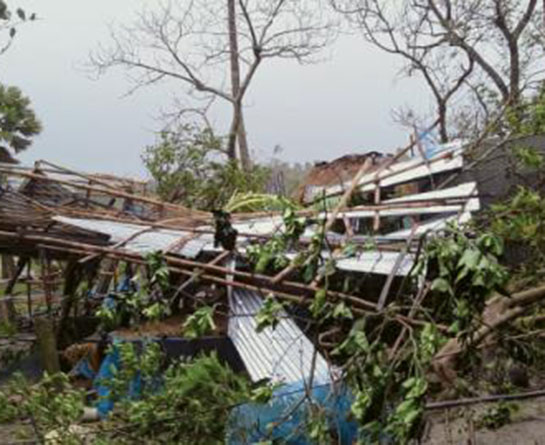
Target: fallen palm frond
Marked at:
255, 202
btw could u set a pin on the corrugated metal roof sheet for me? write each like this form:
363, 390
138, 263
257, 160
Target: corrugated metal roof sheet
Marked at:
405, 171
380, 263
366, 262
283, 354
434, 225
147, 242
466, 190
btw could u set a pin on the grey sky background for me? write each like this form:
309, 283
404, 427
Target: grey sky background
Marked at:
315, 112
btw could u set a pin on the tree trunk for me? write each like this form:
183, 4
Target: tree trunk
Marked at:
443, 132
514, 78
237, 127
244, 151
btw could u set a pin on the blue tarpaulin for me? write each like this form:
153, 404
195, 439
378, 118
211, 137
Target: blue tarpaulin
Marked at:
110, 365
285, 416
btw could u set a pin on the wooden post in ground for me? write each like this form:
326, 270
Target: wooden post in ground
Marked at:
8, 308
8, 267
46, 279
73, 275
29, 288
47, 344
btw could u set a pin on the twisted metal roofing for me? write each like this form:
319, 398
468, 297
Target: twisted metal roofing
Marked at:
283, 354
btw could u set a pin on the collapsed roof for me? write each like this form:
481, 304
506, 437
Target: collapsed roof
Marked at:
69, 214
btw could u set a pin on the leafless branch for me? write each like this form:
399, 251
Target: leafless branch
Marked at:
193, 43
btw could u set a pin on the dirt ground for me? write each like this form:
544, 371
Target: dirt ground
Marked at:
460, 427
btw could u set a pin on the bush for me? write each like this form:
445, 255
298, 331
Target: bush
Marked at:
188, 403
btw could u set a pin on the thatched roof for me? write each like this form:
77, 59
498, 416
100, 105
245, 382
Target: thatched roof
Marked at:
339, 171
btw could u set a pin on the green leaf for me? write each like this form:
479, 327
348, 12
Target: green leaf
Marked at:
268, 316
361, 404
350, 250
319, 303
341, 310
200, 323
470, 259
263, 394
417, 387
441, 285
355, 343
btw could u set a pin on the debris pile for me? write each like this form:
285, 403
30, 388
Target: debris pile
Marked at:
274, 293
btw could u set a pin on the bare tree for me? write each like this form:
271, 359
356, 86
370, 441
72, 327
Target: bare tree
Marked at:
205, 44
238, 122
480, 48
497, 35
398, 30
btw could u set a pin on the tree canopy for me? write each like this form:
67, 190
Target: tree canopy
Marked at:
18, 122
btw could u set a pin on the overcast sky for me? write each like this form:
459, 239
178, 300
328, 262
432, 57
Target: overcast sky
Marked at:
315, 112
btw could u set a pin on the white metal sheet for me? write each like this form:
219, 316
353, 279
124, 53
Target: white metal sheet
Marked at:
283, 354
401, 172
147, 242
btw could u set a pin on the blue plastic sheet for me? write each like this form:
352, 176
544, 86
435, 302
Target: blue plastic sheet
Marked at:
107, 370
84, 369
285, 416
109, 366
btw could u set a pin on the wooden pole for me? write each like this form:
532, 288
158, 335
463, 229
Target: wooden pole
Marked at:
8, 267
47, 344
333, 217
45, 272
370, 308
29, 288
449, 404
8, 308
85, 176
80, 247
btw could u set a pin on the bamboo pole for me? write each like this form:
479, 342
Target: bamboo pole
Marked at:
116, 246
333, 217
208, 278
184, 262
221, 257
346, 197
262, 289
